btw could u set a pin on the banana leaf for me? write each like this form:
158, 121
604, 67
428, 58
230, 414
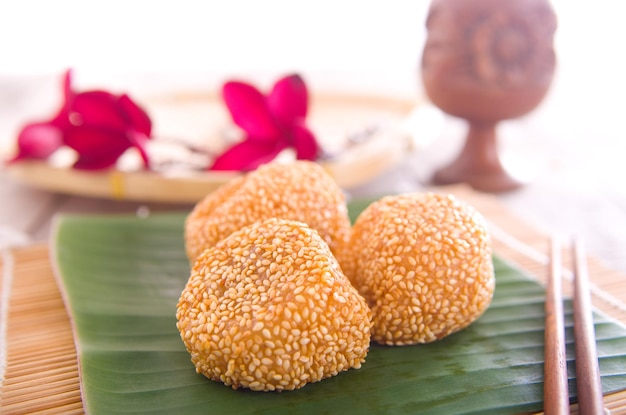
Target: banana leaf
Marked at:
122, 275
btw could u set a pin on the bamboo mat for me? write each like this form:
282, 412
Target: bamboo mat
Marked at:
41, 375
41, 369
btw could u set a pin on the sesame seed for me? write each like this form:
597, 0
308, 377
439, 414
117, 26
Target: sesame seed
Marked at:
258, 326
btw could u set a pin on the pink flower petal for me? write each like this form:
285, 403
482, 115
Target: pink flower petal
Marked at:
288, 100
68, 92
136, 117
106, 161
97, 108
140, 140
97, 148
61, 119
38, 141
249, 110
305, 143
247, 155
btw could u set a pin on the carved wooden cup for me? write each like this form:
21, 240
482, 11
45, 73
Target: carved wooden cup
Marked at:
487, 61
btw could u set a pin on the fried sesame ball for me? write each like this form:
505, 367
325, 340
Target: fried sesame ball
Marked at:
423, 262
268, 308
301, 191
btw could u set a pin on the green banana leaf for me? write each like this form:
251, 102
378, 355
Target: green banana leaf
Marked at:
122, 275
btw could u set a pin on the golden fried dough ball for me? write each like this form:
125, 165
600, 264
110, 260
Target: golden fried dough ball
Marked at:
268, 308
423, 262
301, 191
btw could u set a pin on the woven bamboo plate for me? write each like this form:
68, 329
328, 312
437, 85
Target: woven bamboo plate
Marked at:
202, 120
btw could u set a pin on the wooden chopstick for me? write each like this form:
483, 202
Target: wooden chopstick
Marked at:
555, 393
588, 384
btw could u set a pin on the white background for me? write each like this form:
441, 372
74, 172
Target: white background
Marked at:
576, 136
343, 43
373, 42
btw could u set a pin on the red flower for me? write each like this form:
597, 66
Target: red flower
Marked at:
272, 124
100, 126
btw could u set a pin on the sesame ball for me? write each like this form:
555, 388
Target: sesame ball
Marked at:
423, 262
300, 190
268, 308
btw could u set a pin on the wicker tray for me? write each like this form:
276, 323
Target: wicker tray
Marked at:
201, 118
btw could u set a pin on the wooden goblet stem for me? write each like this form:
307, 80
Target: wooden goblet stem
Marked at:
479, 163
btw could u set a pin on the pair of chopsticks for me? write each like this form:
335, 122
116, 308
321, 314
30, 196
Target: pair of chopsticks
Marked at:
588, 386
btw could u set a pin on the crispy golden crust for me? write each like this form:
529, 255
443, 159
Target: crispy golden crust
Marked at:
301, 191
268, 308
423, 262
195, 236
